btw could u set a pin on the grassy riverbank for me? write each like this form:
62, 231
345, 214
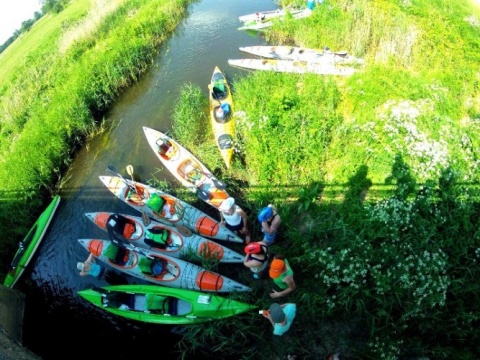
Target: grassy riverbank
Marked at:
376, 176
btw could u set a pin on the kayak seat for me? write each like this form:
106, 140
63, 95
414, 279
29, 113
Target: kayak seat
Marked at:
182, 307
165, 148
128, 230
172, 306
219, 91
116, 254
157, 237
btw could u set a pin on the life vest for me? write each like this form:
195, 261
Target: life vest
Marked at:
155, 202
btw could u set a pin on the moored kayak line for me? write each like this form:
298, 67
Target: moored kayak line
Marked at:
164, 239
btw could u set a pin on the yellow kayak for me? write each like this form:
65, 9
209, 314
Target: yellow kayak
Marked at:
221, 114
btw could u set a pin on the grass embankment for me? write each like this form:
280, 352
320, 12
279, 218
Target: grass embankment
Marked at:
376, 178
373, 175
59, 79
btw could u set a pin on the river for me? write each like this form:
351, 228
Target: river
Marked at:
58, 323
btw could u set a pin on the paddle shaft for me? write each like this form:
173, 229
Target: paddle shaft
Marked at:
111, 169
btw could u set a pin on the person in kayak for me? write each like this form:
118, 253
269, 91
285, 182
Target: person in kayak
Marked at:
281, 317
270, 220
234, 218
256, 258
282, 275
90, 267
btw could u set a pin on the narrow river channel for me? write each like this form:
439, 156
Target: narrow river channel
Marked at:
58, 323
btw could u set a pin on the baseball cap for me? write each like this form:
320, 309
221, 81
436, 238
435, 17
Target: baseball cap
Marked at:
80, 266
276, 268
276, 313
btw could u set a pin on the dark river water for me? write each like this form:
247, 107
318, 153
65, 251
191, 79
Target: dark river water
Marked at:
58, 323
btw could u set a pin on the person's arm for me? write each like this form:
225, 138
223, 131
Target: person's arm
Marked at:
90, 259
291, 287
266, 315
222, 219
244, 217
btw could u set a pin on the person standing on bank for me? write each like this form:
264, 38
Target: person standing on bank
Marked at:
234, 218
270, 220
281, 317
256, 258
90, 267
282, 275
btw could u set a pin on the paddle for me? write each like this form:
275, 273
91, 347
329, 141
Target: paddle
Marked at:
111, 169
130, 171
145, 218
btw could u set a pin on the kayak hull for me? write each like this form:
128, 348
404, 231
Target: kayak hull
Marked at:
161, 238
298, 67
223, 122
163, 305
160, 269
181, 213
29, 245
185, 167
295, 53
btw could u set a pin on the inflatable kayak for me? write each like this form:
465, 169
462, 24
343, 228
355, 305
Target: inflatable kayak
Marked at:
161, 238
28, 246
154, 202
186, 168
163, 305
221, 114
160, 269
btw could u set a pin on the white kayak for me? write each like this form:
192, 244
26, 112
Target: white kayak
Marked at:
263, 24
295, 53
166, 208
160, 269
288, 66
161, 238
267, 15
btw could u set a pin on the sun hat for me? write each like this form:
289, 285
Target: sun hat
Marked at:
276, 313
80, 266
265, 213
276, 268
227, 204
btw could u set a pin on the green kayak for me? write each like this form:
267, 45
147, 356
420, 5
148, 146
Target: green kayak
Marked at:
163, 305
28, 246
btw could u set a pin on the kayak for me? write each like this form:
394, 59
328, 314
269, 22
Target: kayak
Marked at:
267, 15
293, 53
150, 200
186, 168
161, 238
299, 67
221, 114
160, 269
266, 23
163, 305
28, 246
